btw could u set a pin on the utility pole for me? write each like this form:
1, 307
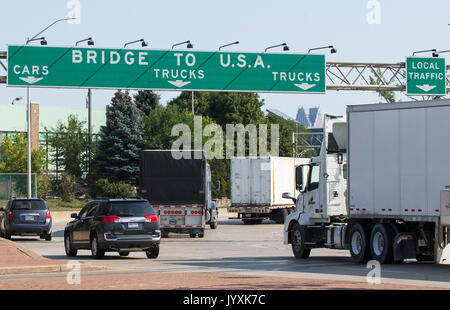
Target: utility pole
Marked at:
29, 144
192, 104
89, 131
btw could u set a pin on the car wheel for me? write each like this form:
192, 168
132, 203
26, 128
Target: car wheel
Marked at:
124, 253
48, 237
358, 243
68, 246
381, 244
298, 235
152, 253
213, 225
96, 251
7, 235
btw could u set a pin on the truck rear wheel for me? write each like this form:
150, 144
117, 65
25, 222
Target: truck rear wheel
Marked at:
359, 243
381, 243
298, 234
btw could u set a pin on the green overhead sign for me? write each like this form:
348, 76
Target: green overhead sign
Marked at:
425, 76
73, 67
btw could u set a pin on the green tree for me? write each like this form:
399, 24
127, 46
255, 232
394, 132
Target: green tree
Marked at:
224, 107
122, 140
13, 154
69, 143
146, 101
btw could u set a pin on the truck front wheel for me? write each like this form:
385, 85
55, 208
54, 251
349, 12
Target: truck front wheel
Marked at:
358, 243
298, 234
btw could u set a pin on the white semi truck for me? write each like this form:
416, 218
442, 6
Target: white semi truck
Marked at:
257, 184
375, 189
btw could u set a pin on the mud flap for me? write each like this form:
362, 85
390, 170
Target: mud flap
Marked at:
445, 255
404, 247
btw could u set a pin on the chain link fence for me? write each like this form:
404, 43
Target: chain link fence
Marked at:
15, 185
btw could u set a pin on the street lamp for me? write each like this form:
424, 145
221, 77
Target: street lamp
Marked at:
16, 99
237, 42
285, 47
90, 41
434, 53
331, 47
43, 42
188, 42
57, 21
144, 44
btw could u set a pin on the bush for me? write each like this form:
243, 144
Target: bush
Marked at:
114, 190
43, 185
68, 187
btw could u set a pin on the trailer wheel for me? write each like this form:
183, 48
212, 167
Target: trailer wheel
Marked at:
298, 234
358, 243
381, 243
192, 235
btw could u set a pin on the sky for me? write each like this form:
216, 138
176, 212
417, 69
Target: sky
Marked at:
404, 26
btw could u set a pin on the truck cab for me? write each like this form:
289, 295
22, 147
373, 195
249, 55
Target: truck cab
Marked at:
323, 181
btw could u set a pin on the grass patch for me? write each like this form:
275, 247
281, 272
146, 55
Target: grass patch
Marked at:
58, 204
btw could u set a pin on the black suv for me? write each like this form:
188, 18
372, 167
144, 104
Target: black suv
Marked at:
26, 217
119, 225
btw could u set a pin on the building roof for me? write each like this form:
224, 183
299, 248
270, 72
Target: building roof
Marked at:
14, 117
280, 114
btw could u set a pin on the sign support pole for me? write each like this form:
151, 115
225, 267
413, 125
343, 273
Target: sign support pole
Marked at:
28, 144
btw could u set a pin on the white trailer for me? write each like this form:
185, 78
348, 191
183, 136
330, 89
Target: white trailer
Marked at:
375, 188
257, 184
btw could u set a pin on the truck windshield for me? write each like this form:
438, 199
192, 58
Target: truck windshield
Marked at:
131, 209
28, 205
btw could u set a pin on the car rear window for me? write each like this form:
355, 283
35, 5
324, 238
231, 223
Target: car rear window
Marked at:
28, 205
138, 209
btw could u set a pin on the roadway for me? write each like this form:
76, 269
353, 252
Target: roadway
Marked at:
248, 250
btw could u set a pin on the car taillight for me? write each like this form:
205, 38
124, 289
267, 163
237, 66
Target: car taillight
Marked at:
110, 219
47, 214
152, 217
10, 215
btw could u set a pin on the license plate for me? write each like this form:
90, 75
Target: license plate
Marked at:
133, 225
29, 218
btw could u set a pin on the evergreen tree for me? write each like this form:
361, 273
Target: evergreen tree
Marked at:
121, 141
146, 101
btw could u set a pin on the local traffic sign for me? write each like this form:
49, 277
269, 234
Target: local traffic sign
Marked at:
425, 76
76, 67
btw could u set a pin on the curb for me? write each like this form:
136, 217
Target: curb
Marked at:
41, 269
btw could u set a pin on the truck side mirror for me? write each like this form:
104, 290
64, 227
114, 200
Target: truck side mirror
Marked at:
74, 215
288, 196
299, 178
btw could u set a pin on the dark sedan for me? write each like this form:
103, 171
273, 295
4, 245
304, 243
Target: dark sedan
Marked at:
25, 217
120, 225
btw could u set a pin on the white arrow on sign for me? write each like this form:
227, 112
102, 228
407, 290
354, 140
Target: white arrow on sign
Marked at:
426, 87
178, 83
30, 79
305, 86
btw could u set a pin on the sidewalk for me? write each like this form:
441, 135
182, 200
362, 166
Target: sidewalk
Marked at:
16, 259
